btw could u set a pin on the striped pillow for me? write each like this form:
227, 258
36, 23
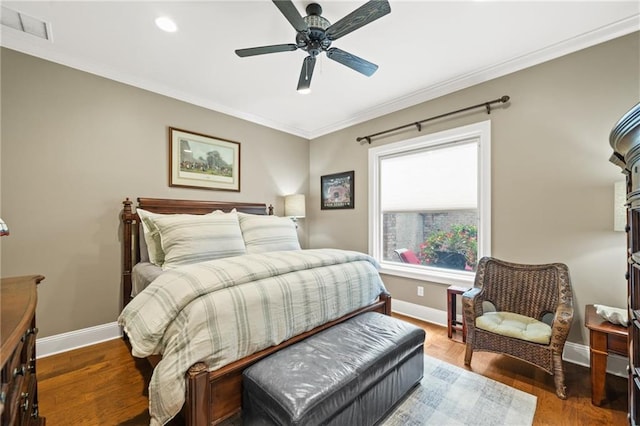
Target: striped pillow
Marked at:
189, 239
268, 233
155, 254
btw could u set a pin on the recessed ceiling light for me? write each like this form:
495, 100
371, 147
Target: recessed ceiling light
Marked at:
166, 24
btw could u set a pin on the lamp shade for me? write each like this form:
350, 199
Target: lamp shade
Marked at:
4, 229
294, 206
619, 206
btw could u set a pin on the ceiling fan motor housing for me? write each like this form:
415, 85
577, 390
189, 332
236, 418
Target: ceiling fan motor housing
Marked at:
314, 40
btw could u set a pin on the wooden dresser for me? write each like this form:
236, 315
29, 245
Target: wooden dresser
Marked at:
19, 392
625, 141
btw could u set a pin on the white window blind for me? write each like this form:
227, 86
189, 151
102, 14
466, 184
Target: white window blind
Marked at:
444, 177
421, 186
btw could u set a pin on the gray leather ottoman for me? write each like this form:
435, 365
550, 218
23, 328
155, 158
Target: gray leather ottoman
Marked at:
350, 374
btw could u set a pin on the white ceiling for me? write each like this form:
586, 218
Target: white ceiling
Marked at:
424, 49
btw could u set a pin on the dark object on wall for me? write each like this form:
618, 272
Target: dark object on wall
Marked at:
625, 141
315, 34
336, 191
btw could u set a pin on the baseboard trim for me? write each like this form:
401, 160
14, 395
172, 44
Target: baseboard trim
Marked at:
573, 352
579, 354
51, 345
423, 313
77, 339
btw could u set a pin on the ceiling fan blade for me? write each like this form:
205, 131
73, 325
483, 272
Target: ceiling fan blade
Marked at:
362, 16
291, 13
352, 61
252, 51
305, 74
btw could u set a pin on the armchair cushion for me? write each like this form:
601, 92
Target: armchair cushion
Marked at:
515, 325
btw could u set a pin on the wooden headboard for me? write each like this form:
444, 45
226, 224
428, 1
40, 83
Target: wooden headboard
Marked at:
131, 225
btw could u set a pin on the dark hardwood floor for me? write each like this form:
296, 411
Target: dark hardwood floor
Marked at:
104, 385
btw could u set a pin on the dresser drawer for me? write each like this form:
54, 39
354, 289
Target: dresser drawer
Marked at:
12, 405
19, 387
618, 345
14, 375
29, 350
28, 407
13, 366
19, 378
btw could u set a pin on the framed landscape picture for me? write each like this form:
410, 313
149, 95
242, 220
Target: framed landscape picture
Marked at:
202, 161
337, 191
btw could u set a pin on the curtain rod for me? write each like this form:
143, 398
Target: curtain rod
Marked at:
418, 124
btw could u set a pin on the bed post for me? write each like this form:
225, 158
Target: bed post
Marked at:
127, 265
196, 407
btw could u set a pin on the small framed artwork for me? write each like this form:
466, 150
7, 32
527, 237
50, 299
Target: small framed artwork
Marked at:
337, 191
203, 161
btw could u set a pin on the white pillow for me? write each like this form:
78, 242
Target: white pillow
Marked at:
268, 233
189, 238
151, 236
613, 315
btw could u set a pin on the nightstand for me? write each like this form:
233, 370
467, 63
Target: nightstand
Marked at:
604, 338
452, 319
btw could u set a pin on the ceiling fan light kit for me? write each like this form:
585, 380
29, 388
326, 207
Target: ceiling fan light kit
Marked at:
315, 35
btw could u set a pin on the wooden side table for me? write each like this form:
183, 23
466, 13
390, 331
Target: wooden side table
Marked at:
604, 338
452, 319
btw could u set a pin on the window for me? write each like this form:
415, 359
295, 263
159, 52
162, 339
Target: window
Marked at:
430, 204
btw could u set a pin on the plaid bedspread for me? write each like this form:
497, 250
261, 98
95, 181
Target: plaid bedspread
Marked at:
222, 310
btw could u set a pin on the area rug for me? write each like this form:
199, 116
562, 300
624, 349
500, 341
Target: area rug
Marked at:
452, 396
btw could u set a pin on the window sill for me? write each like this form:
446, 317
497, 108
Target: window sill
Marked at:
422, 273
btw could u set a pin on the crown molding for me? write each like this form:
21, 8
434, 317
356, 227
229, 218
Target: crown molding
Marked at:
16, 41
574, 44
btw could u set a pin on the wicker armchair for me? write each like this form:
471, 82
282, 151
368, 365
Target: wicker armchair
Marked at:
540, 292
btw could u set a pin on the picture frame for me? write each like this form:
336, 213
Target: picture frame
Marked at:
337, 191
201, 161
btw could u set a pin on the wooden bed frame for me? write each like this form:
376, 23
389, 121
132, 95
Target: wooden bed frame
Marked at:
211, 396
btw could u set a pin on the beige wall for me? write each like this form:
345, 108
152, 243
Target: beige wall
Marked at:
74, 145
552, 183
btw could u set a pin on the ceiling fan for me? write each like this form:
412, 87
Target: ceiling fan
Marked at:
315, 35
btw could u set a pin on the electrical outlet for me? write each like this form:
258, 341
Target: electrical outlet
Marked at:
420, 290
